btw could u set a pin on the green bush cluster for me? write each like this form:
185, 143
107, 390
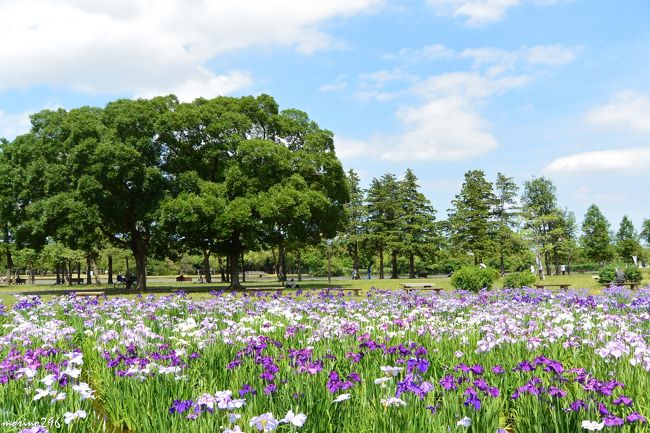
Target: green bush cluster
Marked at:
519, 279
474, 278
608, 274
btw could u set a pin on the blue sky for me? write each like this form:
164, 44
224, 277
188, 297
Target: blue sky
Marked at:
555, 88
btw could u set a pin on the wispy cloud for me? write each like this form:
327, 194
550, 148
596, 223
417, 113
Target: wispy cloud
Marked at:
447, 123
142, 47
481, 12
338, 85
12, 125
622, 161
625, 110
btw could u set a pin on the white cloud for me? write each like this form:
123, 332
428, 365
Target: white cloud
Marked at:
12, 125
481, 12
625, 110
142, 46
621, 161
477, 12
444, 129
447, 124
374, 95
337, 86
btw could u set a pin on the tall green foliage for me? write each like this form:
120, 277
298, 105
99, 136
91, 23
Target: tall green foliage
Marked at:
419, 233
627, 240
470, 219
596, 241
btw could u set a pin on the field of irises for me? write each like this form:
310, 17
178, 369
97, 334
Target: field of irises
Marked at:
525, 361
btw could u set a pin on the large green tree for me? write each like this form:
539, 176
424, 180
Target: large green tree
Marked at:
627, 240
384, 224
471, 218
645, 231
419, 234
506, 212
541, 216
352, 236
596, 241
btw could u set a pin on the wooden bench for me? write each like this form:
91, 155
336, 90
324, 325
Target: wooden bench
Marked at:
20, 280
563, 286
98, 293
77, 280
615, 284
182, 278
416, 285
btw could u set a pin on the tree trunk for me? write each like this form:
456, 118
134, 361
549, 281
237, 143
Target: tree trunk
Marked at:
69, 273
355, 258
299, 260
126, 259
394, 274
110, 269
556, 259
547, 262
10, 264
88, 277
78, 271
221, 270
282, 265
95, 270
381, 262
243, 269
233, 256
59, 279
139, 250
206, 266
411, 265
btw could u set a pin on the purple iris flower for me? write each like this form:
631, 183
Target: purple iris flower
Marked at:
577, 405
476, 369
180, 406
635, 416
623, 399
497, 369
613, 421
246, 389
448, 382
554, 391
270, 388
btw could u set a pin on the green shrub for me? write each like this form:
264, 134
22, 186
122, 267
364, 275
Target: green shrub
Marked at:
633, 274
519, 279
474, 278
607, 274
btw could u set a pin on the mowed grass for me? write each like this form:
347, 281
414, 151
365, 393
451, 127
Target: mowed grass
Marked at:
159, 287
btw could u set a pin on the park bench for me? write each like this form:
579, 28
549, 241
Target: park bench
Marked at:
89, 293
562, 286
76, 280
182, 278
410, 287
20, 280
422, 275
615, 284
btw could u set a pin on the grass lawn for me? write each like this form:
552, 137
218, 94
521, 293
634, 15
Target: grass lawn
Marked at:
199, 291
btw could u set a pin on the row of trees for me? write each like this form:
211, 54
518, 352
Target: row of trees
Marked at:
159, 178
488, 222
226, 176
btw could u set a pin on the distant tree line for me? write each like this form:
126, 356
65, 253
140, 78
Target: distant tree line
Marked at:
243, 181
488, 222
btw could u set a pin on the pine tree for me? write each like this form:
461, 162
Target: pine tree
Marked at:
419, 237
595, 239
627, 241
470, 220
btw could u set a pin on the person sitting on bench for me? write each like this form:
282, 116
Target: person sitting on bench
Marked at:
291, 284
620, 276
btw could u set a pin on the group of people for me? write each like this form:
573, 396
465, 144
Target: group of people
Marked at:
128, 280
